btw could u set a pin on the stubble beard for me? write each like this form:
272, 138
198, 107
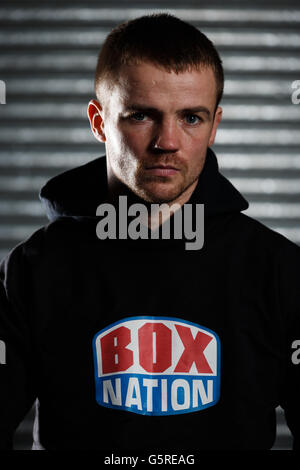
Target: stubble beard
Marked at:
151, 188
146, 187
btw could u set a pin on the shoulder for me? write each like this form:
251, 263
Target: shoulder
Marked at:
55, 237
265, 238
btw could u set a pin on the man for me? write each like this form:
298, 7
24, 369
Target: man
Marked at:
131, 342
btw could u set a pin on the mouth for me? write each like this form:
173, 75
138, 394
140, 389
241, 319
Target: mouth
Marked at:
162, 170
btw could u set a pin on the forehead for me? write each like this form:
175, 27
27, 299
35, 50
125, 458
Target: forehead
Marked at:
148, 84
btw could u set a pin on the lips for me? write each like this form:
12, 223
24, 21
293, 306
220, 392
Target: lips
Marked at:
162, 170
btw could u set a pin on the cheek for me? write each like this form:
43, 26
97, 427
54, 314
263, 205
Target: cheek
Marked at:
135, 140
117, 142
195, 153
196, 146
113, 135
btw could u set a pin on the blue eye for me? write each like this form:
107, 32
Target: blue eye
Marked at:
192, 119
138, 116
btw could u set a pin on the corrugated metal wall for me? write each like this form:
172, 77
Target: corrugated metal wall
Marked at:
48, 56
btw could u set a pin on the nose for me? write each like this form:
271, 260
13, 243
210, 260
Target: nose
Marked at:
166, 136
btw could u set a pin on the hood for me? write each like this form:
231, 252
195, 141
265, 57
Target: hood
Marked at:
79, 191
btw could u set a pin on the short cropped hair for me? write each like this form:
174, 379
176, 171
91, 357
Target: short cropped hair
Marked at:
161, 39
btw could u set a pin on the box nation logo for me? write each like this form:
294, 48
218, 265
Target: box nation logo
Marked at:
157, 366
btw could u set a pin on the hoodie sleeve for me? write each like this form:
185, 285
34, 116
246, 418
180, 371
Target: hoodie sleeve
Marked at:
17, 388
289, 290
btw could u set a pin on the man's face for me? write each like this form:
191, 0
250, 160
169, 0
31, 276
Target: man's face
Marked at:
157, 126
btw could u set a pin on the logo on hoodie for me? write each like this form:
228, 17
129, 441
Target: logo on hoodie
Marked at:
156, 366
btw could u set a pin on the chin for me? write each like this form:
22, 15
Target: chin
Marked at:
160, 196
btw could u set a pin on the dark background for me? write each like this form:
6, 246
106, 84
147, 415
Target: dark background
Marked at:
47, 61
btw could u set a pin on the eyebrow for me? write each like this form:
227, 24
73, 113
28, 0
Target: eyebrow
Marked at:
147, 109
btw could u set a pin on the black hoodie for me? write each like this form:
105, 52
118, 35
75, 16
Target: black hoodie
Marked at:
144, 345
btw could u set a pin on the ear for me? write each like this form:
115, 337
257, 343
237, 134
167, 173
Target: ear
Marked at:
217, 120
95, 115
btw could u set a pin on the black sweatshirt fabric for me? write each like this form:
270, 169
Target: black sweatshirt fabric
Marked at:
142, 344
